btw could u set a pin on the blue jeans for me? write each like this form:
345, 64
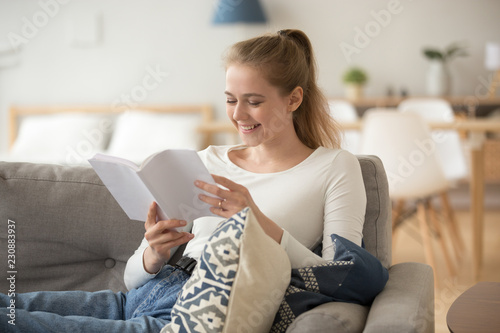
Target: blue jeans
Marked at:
146, 309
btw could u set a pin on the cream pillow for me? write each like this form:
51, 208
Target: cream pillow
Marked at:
69, 138
238, 283
139, 134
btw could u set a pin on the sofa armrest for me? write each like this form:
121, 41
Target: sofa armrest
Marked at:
407, 302
331, 317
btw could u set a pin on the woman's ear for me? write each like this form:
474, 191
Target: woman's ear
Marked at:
295, 99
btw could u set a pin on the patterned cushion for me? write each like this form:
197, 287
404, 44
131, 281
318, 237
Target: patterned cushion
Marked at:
238, 284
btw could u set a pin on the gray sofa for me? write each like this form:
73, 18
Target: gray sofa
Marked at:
70, 234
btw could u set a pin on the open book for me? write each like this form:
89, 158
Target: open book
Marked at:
166, 177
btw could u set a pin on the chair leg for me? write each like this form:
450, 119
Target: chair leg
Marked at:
441, 238
396, 214
457, 241
426, 236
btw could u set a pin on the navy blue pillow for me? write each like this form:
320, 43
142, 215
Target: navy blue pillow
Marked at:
354, 276
366, 278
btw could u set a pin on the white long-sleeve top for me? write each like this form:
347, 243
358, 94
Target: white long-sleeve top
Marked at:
322, 195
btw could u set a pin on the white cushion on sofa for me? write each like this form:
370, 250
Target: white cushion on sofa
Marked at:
139, 134
69, 138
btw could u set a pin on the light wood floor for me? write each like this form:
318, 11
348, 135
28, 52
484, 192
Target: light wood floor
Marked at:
408, 247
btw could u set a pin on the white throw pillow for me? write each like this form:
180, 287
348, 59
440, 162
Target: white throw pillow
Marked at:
69, 138
139, 134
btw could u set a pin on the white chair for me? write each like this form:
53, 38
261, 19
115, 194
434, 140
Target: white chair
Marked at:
449, 151
343, 111
448, 146
404, 144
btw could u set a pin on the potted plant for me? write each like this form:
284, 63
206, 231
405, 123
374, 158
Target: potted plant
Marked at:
354, 79
438, 76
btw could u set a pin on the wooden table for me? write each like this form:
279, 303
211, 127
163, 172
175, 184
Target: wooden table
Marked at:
477, 310
476, 129
461, 104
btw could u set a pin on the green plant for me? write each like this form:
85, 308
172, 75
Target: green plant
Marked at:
355, 75
452, 51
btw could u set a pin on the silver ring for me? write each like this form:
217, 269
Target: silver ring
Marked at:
220, 204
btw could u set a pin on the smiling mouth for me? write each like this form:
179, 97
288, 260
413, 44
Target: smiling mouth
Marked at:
249, 127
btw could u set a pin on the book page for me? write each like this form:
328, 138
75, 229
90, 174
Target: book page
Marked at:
114, 159
126, 187
170, 176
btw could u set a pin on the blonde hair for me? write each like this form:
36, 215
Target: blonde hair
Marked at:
286, 60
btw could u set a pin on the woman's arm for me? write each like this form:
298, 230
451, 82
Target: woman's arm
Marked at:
159, 238
343, 212
135, 275
345, 203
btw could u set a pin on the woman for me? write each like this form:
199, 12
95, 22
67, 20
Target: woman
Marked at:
300, 191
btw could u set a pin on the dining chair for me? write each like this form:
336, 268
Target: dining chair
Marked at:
344, 111
449, 151
404, 144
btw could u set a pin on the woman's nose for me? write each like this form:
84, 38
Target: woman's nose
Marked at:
239, 112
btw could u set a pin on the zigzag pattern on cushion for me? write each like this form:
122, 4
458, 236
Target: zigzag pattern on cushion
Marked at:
202, 304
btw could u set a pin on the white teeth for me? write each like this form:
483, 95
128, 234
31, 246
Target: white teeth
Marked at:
247, 128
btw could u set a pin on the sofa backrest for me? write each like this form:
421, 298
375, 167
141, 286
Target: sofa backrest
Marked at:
377, 232
70, 234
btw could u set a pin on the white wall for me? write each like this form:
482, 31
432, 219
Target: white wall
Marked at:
176, 40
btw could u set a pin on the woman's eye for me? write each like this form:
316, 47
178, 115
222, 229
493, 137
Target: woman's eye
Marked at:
254, 103
230, 101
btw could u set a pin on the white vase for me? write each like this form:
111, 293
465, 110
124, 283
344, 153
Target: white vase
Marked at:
438, 79
353, 91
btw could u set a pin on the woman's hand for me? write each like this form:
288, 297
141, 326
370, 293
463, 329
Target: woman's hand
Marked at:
162, 237
229, 201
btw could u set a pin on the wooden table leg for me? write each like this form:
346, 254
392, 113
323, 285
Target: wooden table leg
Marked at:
477, 204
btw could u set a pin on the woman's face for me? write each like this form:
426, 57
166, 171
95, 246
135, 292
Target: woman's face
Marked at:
257, 109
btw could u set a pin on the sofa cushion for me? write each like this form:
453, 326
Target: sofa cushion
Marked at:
238, 284
70, 234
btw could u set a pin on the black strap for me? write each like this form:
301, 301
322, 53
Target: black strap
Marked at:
187, 264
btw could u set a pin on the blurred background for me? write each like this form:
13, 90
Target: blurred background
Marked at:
129, 52
96, 52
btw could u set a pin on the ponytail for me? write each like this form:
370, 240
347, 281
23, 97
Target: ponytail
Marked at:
287, 61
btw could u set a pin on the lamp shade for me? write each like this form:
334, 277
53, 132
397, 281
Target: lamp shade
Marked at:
492, 56
239, 11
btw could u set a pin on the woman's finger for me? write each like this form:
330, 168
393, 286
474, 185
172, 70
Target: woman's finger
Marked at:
227, 201
212, 201
217, 192
233, 187
164, 234
161, 246
151, 218
169, 225
168, 239
183, 237
229, 184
